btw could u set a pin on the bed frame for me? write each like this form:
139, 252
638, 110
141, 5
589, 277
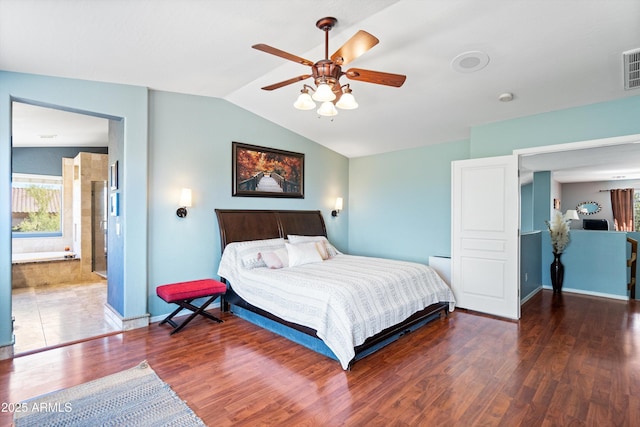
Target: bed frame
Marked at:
243, 225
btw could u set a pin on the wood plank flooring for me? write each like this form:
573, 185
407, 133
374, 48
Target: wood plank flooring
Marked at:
571, 360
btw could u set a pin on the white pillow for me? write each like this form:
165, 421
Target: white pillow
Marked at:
276, 259
331, 250
302, 253
249, 252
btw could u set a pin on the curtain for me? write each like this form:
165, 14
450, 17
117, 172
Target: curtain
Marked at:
622, 205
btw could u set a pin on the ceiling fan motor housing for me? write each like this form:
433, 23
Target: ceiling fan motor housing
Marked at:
326, 71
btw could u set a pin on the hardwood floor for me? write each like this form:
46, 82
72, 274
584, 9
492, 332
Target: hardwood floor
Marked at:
571, 360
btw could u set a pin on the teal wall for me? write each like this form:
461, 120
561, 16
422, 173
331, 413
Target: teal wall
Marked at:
400, 203
409, 218
530, 261
190, 146
594, 262
526, 207
595, 121
541, 199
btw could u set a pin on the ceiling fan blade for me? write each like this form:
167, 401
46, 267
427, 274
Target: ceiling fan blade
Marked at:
376, 77
354, 47
287, 82
281, 54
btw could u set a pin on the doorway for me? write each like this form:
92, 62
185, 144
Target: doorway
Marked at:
50, 315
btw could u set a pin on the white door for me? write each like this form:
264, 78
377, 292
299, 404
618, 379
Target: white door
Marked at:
485, 243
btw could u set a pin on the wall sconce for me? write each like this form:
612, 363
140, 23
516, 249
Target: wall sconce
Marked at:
338, 207
185, 202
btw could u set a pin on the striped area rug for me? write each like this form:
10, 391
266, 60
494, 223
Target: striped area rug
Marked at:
134, 397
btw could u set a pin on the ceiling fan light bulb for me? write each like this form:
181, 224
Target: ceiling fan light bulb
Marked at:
324, 93
347, 102
304, 102
327, 109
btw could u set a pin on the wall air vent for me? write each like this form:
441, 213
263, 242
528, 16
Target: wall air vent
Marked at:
631, 69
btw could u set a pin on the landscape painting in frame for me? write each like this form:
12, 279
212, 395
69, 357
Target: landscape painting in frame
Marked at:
267, 172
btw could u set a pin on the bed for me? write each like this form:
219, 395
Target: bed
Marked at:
343, 306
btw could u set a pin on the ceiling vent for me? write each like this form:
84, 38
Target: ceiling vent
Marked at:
631, 69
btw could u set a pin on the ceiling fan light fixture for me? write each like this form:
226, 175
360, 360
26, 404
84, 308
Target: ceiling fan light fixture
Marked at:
324, 93
327, 109
347, 100
304, 101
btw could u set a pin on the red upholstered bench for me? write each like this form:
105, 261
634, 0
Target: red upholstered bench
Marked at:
183, 293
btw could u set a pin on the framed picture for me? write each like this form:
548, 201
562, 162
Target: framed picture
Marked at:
113, 205
556, 204
113, 176
267, 172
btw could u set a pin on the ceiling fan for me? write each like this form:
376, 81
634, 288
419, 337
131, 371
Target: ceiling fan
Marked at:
327, 72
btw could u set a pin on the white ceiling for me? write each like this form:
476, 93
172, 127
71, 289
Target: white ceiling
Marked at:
550, 54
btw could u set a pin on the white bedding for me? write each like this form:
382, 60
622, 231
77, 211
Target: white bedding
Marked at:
346, 299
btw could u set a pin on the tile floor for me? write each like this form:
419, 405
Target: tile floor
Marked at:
46, 316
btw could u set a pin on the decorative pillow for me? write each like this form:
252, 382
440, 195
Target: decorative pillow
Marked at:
322, 250
331, 250
275, 259
249, 252
302, 253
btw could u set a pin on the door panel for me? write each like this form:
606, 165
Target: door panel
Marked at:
485, 244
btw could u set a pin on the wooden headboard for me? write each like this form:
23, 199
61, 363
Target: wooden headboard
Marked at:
238, 225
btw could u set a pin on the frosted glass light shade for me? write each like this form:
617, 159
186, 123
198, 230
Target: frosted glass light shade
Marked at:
324, 93
327, 109
347, 102
338, 206
185, 198
571, 214
304, 102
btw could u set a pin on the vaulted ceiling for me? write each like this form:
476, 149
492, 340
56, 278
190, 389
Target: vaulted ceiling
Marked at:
550, 55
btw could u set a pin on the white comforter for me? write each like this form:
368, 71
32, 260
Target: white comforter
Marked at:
346, 299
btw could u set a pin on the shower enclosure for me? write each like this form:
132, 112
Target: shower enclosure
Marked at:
99, 227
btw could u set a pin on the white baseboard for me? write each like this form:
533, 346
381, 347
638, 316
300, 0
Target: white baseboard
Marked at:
590, 293
125, 323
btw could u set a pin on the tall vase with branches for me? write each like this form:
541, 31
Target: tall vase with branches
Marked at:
559, 230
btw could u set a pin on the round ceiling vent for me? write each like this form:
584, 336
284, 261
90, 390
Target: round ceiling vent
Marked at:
469, 62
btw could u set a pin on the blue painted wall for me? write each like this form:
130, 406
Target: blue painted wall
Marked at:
541, 199
595, 262
400, 203
190, 146
526, 208
602, 120
530, 261
46, 160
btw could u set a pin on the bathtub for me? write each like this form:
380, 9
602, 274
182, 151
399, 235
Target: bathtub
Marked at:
41, 256
44, 268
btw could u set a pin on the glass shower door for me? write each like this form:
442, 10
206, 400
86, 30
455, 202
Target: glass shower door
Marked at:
99, 227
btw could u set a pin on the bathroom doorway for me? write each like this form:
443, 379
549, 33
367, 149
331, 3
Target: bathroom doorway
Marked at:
45, 308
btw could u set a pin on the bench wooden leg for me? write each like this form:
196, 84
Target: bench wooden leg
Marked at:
186, 304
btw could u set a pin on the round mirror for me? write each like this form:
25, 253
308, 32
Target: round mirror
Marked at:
588, 208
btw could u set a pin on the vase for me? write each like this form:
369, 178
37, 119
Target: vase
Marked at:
557, 273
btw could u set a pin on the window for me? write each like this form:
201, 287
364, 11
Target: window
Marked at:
36, 205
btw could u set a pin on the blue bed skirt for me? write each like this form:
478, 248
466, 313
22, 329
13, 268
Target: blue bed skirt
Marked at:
315, 343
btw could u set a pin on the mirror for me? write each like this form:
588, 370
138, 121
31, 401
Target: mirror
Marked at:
588, 208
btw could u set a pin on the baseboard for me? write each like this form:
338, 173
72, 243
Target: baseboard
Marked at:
6, 351
590, 293
531, 295
125, 323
